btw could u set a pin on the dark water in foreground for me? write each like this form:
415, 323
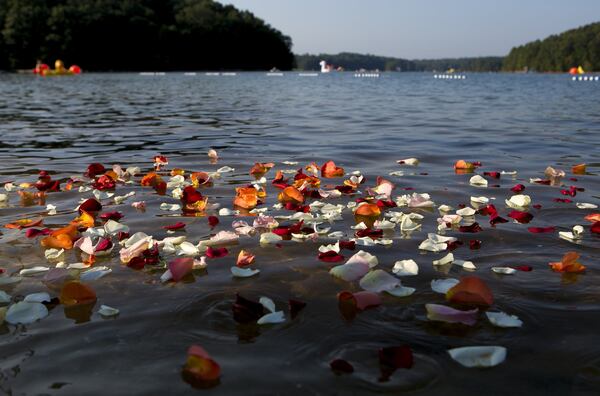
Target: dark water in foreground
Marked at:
508, 122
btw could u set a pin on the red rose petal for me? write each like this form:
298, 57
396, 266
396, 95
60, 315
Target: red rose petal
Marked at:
90, 205
213, 221
295, 307
517, 188
525, 268
340, 366
330, 256
216, 252
495, 175
116, 216
474, 244
539, 230
521, 217
595, 228
475, 227
180, 267
174, 227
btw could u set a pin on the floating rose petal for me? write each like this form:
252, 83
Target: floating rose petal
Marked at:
501, 319
393, 358
213, 221
518, 201
330, 256
475, 227
594, 217
351, 303
216, 252
174, 227
538, 230
350, 272
504, 270
595, 228
477, 180
25, 312
116, 216
474, 244
330, 170
521, 217
90, 206
494, 175
478, 356
443, 313
76, 293
291, 195
525, 268
470, 290
378, 281
34, 232
568, 263
578, 169
405, 268
259, 169
245, 258
340, 366
94, 169
517, 188
200, 370
180, 267
25, 223
246, 311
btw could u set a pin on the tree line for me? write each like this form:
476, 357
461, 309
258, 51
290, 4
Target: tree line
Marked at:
352, 61
559, 52
139, 35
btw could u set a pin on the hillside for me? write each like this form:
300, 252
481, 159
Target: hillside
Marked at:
352, 61
138, 35
559, 52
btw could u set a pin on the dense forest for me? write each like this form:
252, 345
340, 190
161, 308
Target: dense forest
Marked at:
560, 52
351, 61
138, 35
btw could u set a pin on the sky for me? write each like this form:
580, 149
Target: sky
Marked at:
417, 29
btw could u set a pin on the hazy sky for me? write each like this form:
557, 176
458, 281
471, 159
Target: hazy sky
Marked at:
419, 28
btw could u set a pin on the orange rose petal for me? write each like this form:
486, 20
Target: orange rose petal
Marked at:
368, 210
594, 217
61, 241
246, 197
291, 194
568, 263
24, 223
330, 170
245, 258
579, 169
177, 172
84, 220
259, 169
200, 370
75, 293
470, 290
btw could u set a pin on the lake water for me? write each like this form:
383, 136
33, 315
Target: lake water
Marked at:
507, 122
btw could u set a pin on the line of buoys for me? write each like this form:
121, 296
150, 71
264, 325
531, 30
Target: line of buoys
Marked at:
152, 73
450, 76
585, 78
189, 74
367, 75
308, 74
227, 74
275, 74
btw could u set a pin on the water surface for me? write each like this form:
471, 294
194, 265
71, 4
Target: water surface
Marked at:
508, 122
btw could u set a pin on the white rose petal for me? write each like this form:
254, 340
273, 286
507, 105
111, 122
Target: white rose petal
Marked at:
478, 356
405, 268
243, 272
443, 285
25, 312
502, 319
